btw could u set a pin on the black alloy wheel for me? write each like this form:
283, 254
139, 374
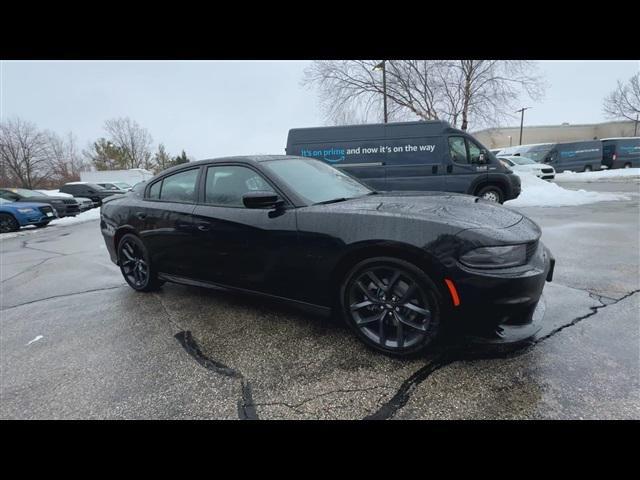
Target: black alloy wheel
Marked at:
391, 305
8, 223
135, 265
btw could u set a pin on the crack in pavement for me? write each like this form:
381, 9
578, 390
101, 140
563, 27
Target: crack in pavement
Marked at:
406, 389
28, 269
60, 296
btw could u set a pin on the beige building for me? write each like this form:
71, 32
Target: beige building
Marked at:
510, 136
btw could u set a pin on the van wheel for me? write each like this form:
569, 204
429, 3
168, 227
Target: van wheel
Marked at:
627, 165
491, 193
8, 223
587, 168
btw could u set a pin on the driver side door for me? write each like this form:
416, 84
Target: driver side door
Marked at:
465, 167
238, 246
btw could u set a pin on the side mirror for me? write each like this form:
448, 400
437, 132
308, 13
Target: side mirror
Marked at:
262, 200
482, 158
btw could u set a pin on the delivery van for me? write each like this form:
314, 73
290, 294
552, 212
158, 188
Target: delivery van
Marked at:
623, 152
583, 156
414, 156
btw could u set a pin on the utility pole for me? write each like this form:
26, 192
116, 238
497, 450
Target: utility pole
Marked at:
521, 111
383, 66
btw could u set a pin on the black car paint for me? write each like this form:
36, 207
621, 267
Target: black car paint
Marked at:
63, 206
88, 190
300, 252
397, 169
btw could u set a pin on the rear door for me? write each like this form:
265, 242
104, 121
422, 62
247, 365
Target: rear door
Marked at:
165, 222
463, 168
243, 247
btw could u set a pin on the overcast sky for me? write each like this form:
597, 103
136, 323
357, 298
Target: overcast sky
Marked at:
218, 108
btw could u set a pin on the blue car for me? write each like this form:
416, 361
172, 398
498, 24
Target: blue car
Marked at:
14, 215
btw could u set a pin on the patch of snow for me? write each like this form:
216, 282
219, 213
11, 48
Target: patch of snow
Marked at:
93, 214
540, 193
602, 175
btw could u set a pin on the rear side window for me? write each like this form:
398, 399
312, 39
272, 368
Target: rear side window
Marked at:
458, 150
179, 187
225, 185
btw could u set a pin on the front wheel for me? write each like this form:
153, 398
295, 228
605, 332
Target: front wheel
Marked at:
135, 264
627, 165
391, 305
491, 193
587, 168
8, 223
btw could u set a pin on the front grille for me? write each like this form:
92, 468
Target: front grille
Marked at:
69, 201
531, 249
46, 210
547, 170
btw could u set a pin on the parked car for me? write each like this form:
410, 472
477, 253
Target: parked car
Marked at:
623, 152
14, 215
64, 206
414, 156
583, 156
85, 203
399, 267
89, 190
124, 186
524, 164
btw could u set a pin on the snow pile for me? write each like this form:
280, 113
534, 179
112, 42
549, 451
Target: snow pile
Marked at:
93, 214
540, 193
619, 174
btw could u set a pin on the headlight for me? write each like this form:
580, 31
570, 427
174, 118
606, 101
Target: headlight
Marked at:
495, 257
26, 210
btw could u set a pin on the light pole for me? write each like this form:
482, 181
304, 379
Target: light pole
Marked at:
383, 66
635, 128
522, 120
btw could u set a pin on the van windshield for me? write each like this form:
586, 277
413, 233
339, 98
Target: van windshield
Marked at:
537, 154
315, 181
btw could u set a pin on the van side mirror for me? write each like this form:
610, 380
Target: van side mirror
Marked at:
482, 158
262, 200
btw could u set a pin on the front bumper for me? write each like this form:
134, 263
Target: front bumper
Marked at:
501, 306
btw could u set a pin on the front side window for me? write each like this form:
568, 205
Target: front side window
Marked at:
154, 191
179, 187
458, 150
474, 152
225, 185
9, 196
315, 181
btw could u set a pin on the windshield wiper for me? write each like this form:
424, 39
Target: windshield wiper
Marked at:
335, 200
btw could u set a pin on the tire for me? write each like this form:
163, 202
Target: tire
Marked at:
587, 168
627, 165
8, 223
135, 264
42, 225
385, 324
491, 193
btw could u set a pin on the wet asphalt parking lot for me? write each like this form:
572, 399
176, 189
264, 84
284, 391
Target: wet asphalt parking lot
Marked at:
76, 342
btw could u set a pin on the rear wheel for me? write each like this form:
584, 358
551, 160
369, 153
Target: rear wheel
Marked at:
627, 165
135, 264
391, 305
8, 223
491, 193
587, 168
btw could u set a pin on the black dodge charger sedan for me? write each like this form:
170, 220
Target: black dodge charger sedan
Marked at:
398, 267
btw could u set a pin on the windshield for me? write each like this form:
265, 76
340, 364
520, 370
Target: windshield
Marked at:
537, 154
23, 192
4, 200
316, 181
522, 160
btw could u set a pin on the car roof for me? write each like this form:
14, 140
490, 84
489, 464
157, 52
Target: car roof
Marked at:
249, 159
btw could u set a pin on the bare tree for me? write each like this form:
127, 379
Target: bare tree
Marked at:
133, 141
24, 153
452, 90
65, 161
624, 101
161, 159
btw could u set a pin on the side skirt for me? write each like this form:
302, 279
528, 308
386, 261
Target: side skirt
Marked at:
308, 307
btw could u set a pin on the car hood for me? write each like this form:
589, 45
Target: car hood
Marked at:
25, 205
463, 211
